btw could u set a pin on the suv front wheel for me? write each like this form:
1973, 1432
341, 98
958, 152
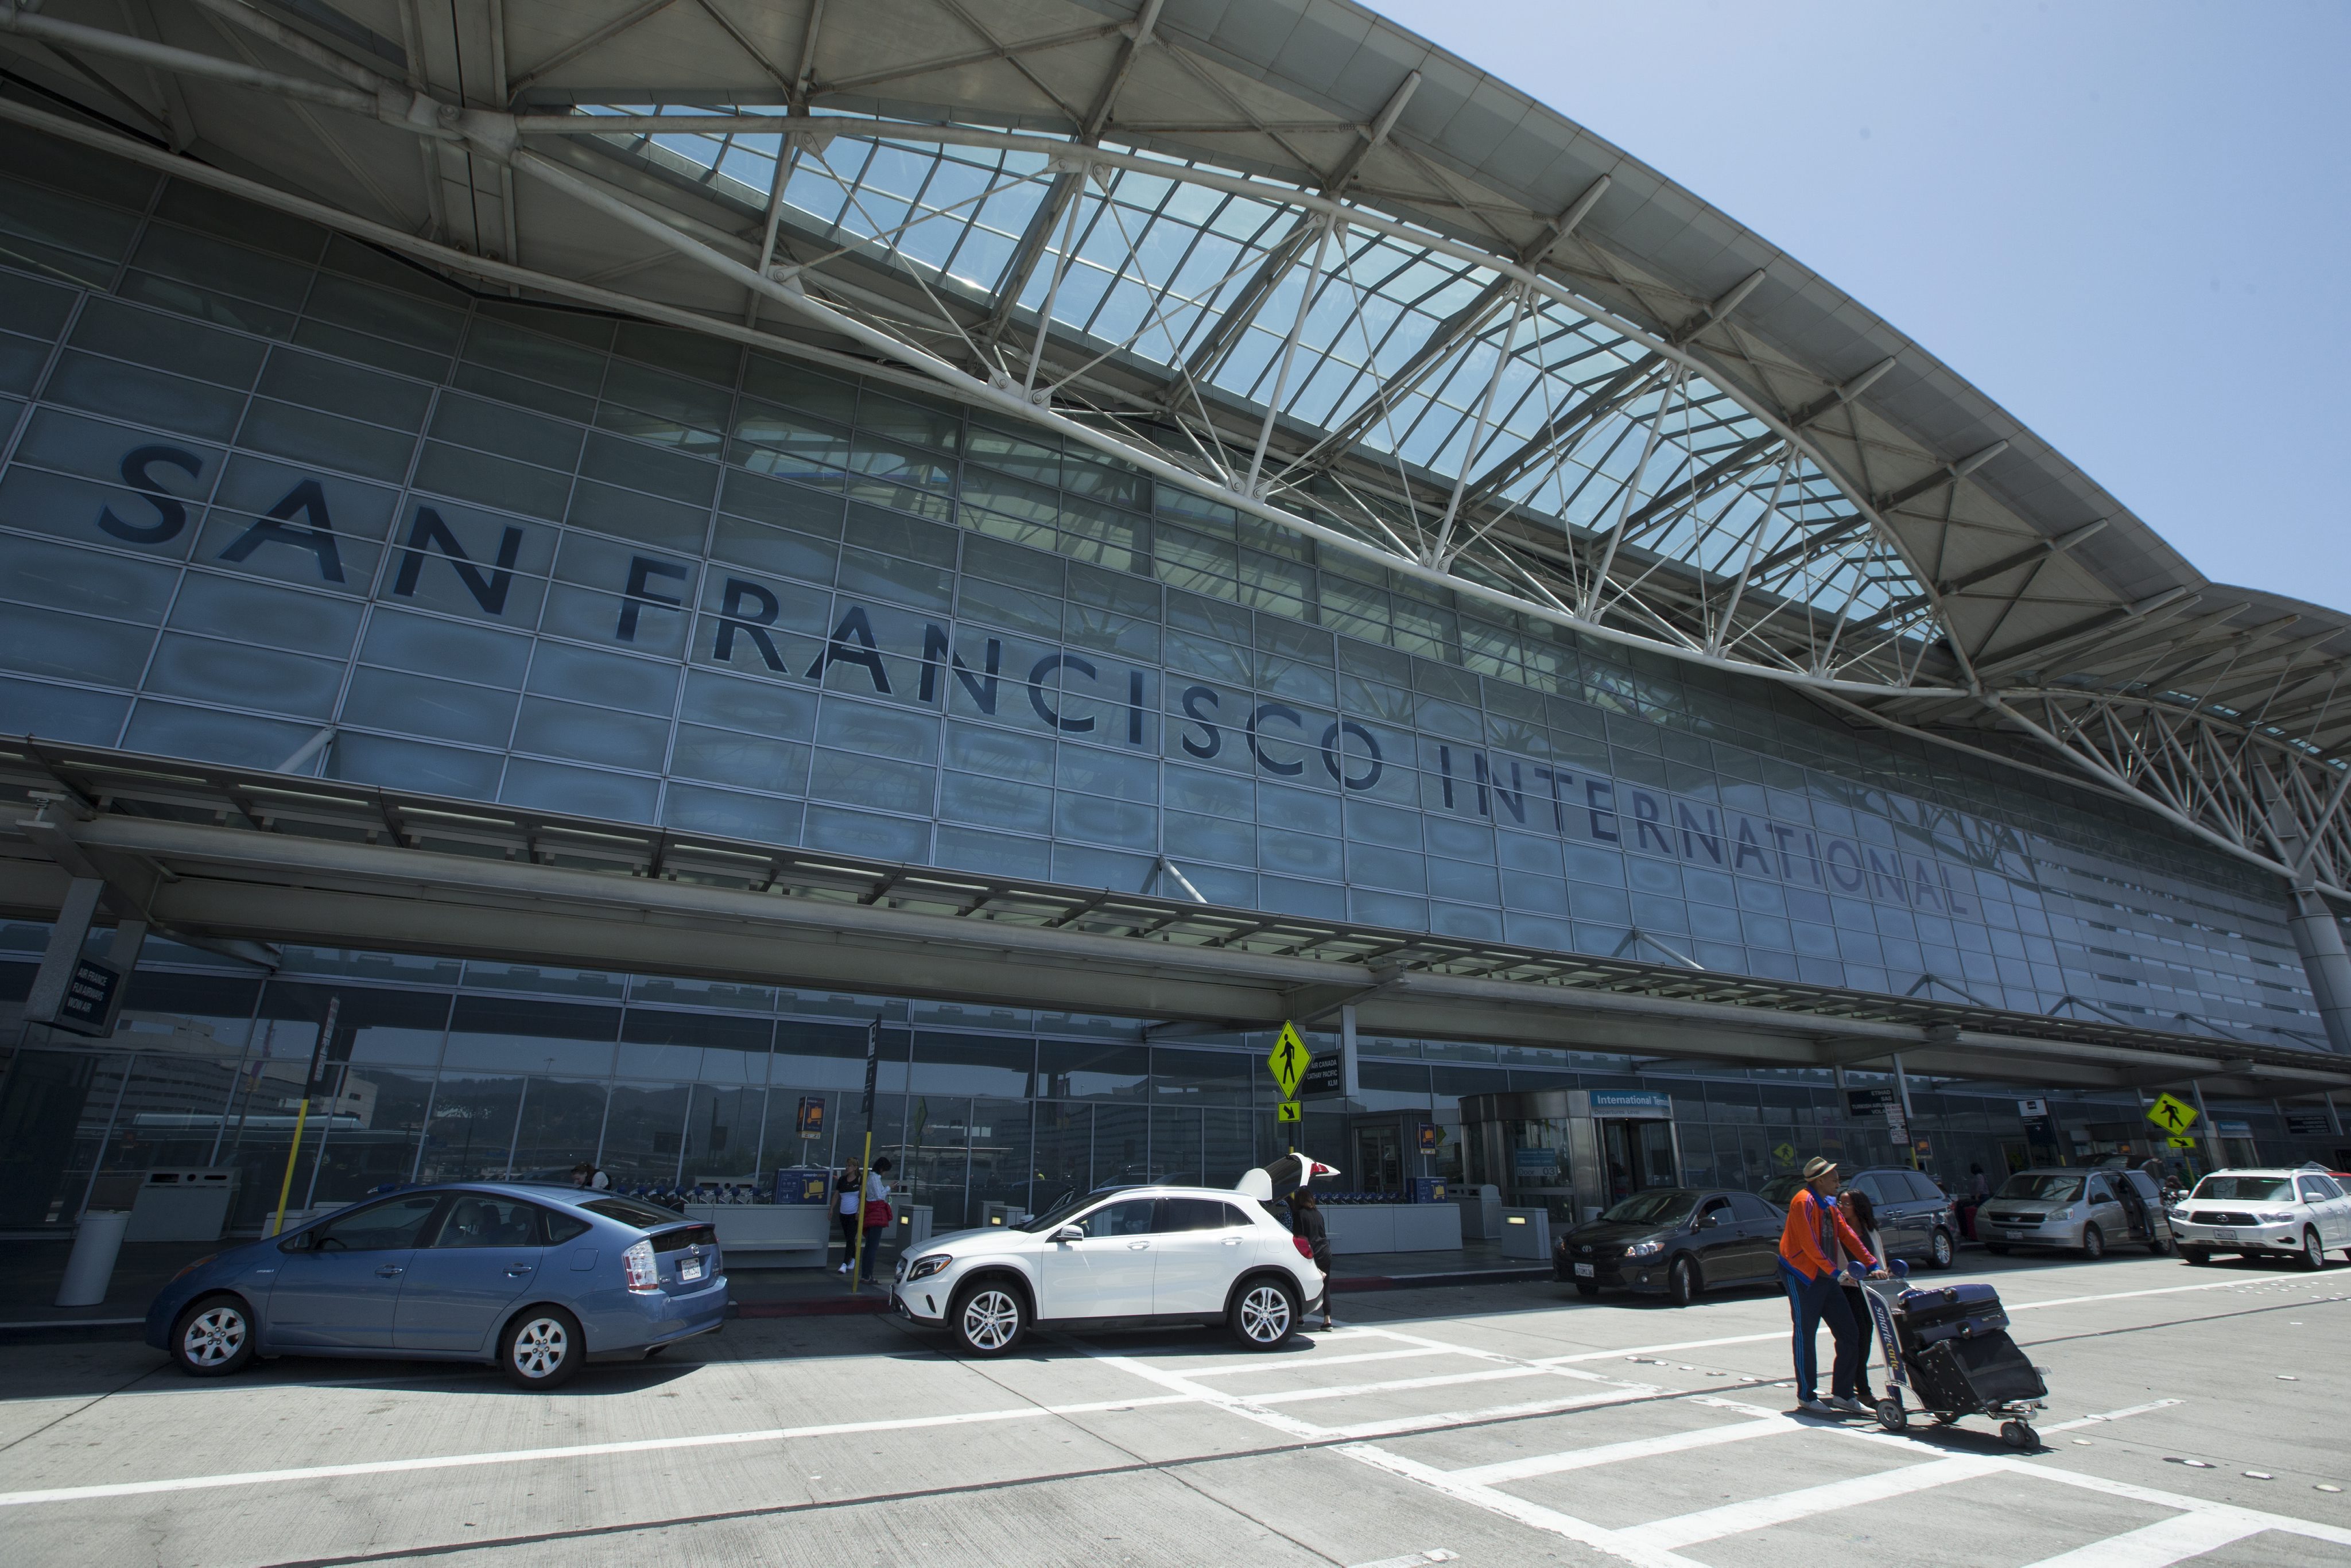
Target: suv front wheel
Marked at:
1264, 1313
1940, 1249
989, 1318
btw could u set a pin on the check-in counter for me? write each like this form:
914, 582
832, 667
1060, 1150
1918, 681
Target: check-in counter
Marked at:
768, 1235
1360, 1228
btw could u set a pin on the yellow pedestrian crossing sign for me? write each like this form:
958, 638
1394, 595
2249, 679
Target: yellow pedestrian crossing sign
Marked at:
1287, 1110
2170, 1112
1289, 1061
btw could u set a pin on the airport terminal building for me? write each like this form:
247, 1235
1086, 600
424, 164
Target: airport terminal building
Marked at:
567, 570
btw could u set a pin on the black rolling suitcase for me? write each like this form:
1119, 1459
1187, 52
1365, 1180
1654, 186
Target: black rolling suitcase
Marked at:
1950, 1346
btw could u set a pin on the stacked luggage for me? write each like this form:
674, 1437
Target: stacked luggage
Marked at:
1949, 1346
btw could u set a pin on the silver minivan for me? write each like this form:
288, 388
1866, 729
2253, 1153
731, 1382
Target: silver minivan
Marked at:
2082, 1210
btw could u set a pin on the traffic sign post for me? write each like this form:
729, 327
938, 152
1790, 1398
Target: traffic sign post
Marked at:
1289, 1060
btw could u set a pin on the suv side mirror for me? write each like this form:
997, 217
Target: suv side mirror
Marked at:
1070, 1233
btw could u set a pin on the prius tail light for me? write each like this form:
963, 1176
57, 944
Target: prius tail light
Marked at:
644, 1273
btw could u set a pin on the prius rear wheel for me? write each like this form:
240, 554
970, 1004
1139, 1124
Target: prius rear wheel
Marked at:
542, 1349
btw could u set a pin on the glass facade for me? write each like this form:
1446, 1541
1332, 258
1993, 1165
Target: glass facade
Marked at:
441, 1071
271, 495
262, 481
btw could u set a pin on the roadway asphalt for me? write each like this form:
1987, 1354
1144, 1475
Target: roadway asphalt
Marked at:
2195, 1415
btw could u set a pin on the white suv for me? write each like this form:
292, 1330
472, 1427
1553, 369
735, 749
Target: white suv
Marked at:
1161, 1254
2262, 1213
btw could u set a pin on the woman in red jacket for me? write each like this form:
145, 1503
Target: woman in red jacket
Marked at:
1815, 1245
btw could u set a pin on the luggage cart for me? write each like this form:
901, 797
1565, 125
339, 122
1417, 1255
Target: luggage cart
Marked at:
1949, 1346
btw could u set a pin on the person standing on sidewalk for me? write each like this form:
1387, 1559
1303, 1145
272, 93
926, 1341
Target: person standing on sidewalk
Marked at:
1815, 1245
875, 1215
849, 1206
1306, 1224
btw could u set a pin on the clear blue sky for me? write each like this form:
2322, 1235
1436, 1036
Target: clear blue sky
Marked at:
2127, 224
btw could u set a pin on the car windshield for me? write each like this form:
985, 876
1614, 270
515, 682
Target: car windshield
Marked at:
2040, 1187
629, 1211
1055, 1216
2244, 1189
1670, 1206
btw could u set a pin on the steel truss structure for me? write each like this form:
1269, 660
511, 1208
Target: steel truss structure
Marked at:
1299, 264
234, 860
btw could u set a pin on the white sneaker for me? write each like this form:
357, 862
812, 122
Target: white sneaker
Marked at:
1850, 1405
844, 1269
1814, 1407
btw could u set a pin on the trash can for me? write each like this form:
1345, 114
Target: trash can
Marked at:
913, 1226
182, 1204
1481, 1212
1002, 1214
1526, 1233
91, 1267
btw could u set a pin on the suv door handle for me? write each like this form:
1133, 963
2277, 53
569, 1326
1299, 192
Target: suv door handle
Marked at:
389, 1272
1137, 1245
1232, 1240
516, 1271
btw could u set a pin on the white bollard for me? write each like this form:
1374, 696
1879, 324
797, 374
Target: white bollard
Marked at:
91, 1267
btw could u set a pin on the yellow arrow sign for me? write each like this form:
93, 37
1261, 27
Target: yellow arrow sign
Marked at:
2171, 1113
1289, 1061
2177, 1142
1287, 1111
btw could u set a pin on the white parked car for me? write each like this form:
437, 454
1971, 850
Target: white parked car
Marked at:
2264, 1213
1153, 1254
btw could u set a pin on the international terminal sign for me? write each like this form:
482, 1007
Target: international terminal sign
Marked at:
472, 562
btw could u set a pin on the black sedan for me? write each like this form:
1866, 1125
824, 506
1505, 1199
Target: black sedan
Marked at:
1673, 1241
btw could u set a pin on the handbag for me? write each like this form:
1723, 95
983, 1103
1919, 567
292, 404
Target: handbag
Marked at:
877, 1213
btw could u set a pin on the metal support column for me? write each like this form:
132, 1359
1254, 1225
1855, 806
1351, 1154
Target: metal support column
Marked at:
1350, 1081
2319, 939
67, 939
2204, 1120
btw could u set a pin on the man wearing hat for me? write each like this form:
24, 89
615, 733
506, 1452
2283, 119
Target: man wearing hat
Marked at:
1815, 1245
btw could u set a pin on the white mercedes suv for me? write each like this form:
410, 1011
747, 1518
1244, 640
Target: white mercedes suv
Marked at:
2300, 1214
1151, 1254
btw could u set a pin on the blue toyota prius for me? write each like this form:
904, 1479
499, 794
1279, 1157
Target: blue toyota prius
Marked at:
536, 1280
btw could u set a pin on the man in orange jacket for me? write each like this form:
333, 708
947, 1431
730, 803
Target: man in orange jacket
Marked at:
1815, 1245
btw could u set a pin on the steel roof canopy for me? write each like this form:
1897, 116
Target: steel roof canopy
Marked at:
1816, 499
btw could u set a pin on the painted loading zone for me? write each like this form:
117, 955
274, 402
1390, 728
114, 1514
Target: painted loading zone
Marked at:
1626, 1452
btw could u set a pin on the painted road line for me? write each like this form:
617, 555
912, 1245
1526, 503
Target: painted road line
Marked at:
1583, 1532
2122, 1415
1357, 1390
1617, 1453
1782, 1334
1402, 1424
2164, 1542
572, 1451
1315, 1363
1433, 1555
1787, 1506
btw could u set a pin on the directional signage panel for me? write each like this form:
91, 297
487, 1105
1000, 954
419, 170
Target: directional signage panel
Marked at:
1289, 1061
1322, 1078
1287, 1110
2171, 1113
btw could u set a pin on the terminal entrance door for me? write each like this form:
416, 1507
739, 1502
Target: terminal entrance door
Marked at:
1379, 1166
1637, 1156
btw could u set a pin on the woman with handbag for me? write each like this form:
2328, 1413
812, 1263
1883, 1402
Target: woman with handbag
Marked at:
877, 1213
849, 1207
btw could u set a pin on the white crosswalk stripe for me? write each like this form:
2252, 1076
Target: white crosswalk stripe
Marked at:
1787, 1506
1617, 1453
2166, 1542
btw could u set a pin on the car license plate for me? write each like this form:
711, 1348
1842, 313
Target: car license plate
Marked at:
1583, 1272
2224, 1236
2017, 1235
689, 1269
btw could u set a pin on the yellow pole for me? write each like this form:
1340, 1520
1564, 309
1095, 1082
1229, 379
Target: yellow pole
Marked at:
864, 1175
286, 1188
